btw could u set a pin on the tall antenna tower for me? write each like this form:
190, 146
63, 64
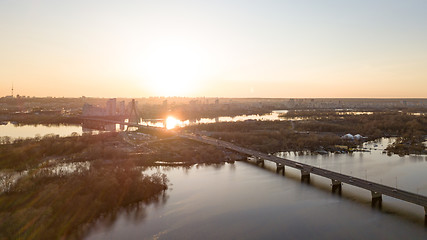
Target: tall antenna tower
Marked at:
12, 89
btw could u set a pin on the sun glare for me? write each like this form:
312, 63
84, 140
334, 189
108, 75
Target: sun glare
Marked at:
171, 123
172, 68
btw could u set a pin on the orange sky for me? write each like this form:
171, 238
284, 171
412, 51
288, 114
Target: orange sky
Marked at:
222, 48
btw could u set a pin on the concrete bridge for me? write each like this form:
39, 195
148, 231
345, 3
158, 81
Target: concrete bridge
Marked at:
377, 190
112, 121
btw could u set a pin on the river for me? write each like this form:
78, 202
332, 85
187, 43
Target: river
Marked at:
244, 201
29, 131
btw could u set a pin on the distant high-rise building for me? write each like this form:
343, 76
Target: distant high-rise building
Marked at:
111, 107
121, 109
90, 110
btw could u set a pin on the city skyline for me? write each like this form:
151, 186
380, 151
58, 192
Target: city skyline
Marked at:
280, 49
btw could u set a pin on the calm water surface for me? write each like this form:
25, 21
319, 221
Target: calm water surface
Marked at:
30, 131
407, 172
244, 201
274, 115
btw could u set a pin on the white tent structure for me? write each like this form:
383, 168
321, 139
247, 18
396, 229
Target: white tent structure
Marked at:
348, 136
357, 137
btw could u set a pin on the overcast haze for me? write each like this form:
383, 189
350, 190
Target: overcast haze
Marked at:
214, 48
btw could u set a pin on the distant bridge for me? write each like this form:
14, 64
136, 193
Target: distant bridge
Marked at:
132, 116
111, 121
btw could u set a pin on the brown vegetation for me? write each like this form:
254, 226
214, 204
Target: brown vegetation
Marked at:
28, 153
320, 132
407, 145
185, 152
48, 206
32, 119
379, 124
271, 136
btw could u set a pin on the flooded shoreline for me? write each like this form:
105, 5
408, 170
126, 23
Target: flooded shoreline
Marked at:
232, 200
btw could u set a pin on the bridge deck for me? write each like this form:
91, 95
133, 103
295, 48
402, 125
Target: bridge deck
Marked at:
112, 121
368, 185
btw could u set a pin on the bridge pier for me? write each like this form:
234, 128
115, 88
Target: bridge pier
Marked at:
305, 175
280, 167
376, 198
425, 216
260, 161
336, 185
376, 195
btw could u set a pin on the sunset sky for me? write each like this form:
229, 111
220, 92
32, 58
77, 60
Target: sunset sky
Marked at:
214, 48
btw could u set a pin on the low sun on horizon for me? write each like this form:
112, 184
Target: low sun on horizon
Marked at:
172, 68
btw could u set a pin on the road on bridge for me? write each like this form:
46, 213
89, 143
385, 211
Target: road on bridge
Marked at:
375, 188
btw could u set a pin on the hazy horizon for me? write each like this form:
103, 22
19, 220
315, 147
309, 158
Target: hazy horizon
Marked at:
230, 49
214, 97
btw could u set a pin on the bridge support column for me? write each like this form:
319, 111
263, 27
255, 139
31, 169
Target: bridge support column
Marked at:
376, 198
336, 185
280, 167
260, 161
305, 175
425, 216
376, 195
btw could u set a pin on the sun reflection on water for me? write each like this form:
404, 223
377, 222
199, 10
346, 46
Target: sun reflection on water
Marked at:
172, 122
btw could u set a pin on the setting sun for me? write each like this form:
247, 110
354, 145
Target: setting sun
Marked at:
172, 68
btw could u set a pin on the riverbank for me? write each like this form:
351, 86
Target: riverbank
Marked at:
36, 118
48, 194
323, 132
408, 145
47, 201
245, 201
45, 205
